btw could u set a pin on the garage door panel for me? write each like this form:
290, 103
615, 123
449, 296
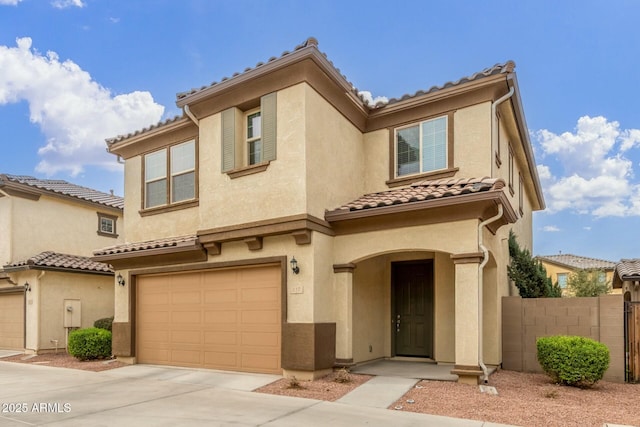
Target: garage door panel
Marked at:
181, 317
260, 363
220, 296
262, 339
221, 338
227, 319
12, 321
186, 297
220, 359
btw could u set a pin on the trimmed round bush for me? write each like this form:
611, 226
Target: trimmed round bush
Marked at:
575, 361
90, 343
104, 323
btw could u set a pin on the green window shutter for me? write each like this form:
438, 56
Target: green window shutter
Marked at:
268, 112
228, 140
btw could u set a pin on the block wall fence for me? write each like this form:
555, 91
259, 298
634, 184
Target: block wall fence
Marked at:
526, 319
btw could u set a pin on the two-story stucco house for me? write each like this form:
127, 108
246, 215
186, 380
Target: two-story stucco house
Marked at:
48, 282
283, 225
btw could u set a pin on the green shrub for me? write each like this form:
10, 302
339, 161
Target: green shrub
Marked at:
104, 323
574, 361
90, 343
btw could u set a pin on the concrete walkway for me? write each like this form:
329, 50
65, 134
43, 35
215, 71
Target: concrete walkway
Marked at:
378, 392
137, 395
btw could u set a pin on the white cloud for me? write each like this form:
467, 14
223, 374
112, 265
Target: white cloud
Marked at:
370, 100
73, 111
9, 2
550, 228
597, 178
63, 4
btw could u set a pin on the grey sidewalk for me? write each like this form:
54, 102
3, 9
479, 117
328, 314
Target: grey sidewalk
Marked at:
150, 395
378, 392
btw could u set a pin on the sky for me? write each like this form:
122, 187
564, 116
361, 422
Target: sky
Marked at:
75, 72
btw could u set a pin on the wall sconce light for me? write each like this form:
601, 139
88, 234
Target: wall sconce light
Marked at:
120, 279
294, 266
27, 287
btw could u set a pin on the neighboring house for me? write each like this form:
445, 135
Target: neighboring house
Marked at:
283, 225
559, 268
48, 229
626, 279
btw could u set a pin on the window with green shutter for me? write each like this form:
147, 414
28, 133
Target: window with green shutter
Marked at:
249, 137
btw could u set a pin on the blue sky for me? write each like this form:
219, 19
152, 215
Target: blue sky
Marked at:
74, 72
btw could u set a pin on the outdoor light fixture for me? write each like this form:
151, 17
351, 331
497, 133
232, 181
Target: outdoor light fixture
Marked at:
121, 281
294, 266
27, 287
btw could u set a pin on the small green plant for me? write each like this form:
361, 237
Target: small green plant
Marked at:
104, 323
342, 376
294, 384
551, 394
574, 361
90, 343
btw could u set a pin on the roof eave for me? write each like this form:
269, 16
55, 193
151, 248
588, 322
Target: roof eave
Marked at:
58, 269
307, 52
495, 195
120, 146
512, 81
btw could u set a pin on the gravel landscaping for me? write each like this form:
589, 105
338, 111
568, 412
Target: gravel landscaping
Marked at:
64, 360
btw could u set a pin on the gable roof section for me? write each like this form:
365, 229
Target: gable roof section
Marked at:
578, 262
59, 188
60, 262
159, 244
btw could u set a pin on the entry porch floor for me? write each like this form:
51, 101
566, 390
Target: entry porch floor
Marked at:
407, 368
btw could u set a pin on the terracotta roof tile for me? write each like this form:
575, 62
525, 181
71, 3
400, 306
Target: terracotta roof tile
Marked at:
628, 268
111, 141
65, 188
580, 262
422, 190
312, 43
63, 261
150, 244
506, 67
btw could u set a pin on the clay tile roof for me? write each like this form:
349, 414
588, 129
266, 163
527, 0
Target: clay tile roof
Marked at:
503, 68
54, 260
58, 186
111, 141
310, 42
151, 244
580, 262
628, 268
422, 190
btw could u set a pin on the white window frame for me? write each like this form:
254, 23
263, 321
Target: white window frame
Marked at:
420, 156
566, 280
103, 219
169, 175
248, 141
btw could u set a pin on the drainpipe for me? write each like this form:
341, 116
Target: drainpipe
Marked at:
485, 259
37, 314
188, 112
494, 121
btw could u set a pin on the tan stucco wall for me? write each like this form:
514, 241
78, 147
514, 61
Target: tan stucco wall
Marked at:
376, 156
51, 224
334, 156
44, 313
444, 310
95, 294
472, 141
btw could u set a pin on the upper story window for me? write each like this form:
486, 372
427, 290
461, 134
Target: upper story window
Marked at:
253, 138
249, 137
107, 225
422, 147
170, 175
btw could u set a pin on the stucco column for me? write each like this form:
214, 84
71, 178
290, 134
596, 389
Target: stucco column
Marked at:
343, 306
467, 332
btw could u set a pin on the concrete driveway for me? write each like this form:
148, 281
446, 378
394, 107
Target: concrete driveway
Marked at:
143, 395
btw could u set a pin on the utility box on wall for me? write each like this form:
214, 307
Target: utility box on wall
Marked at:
72, 313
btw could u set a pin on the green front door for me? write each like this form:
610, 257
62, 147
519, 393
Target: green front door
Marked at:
412, 284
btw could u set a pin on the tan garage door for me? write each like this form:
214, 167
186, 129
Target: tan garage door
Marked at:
222, 319
12, 321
